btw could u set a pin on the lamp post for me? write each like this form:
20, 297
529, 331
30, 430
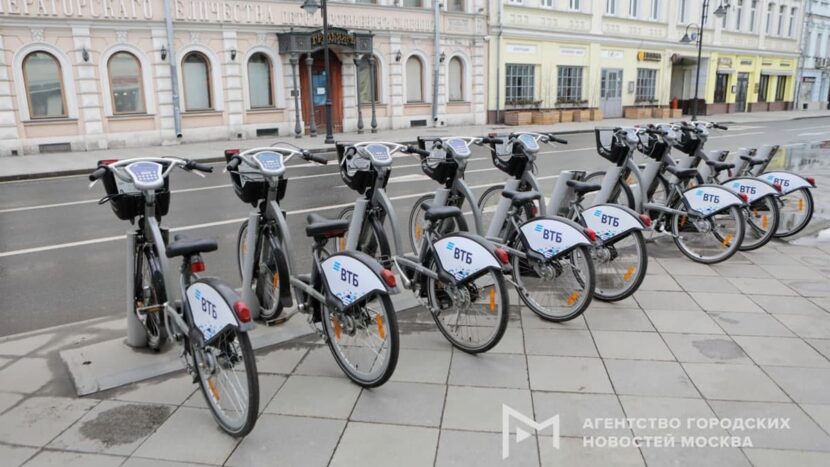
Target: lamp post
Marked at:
720, 12
311, 7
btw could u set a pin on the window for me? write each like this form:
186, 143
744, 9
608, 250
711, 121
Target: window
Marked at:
791, 28
455, 5
519, 83
260, 81
569, 84
763, 88
753, 13
414, 80
721, 87
364, 81
634, 8
547, 3
197, 91
780, 88
646, 85
574, 5
739, 14
125, 84
610, 7
682, 11
413, 3
654, 14
781, 12
44, 85
456, 79
768, 27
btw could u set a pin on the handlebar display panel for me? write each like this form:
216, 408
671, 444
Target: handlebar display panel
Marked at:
270, 162
529, 142
459, 147
145, 175
379, 154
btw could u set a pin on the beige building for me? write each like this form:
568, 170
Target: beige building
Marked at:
92, 74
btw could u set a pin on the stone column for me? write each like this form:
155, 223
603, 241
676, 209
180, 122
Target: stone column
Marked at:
312, 123
397, 96
89, 93
477, 93
295, 93
357, 59
9, 139
235, 102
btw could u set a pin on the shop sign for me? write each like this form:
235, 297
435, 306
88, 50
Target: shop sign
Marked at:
643, 56
724, 62
746, 62
571, 52
766, 63
521, 49
808, 79
612, 54
336, 37
785, 64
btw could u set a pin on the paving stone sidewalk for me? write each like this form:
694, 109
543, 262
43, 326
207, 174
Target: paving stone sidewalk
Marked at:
749, 338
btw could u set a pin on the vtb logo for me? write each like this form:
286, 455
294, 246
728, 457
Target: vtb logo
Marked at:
519, 420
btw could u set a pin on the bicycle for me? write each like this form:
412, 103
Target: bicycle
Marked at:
210, 322
347, 294
458, 276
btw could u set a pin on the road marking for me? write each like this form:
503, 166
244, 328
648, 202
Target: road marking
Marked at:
61, 246
807, 128
814, 134
742, 134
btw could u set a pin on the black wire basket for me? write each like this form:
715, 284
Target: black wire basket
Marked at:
609, 146
127, 201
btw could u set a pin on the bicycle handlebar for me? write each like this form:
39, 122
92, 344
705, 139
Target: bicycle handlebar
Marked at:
193, 165
556, 140
98, 173
418, 151
488, 140
315, 158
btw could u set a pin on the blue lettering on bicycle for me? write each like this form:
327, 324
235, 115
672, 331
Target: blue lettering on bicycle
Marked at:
450, 246
610, 220
336, 266
597, 213
463, 255
538, 228
552, 235
349, 277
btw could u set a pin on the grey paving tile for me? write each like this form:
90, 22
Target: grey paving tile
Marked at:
780, 458
142, 462
571, 374
822, 345
823, 302
765, 258
189, 435
632, 345
269, 384
407, 445
695, 456
659, 281
807, 385
791, 272
726, 302
26, 375
165, 390
474, 449
734, 382
73, 459
618, 320
571, 453
683, 321
315, 396
575, 409
781, 351
812, 326
686, 410
648, 378
705, 348
19, 346
531, 321
803, 433
680, 301
279, 440
401, 404
677, 266
781, 305
480, 409
491, 370
423, 366
36, 421
512, 342
729, 269
8, 399
577, 343
820, 413
14, 456
113, 428
752, 286
711, 283
281, 360
750, 324
320, 362
810, 288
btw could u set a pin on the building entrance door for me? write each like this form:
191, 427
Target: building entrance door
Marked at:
313, 92
740, 94
610, 98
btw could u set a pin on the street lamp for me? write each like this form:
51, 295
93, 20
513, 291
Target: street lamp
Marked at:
311, 7
687, 38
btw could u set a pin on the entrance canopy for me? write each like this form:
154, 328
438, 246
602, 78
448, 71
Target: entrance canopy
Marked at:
309, 41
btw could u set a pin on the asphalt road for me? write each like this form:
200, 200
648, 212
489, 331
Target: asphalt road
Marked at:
62, 256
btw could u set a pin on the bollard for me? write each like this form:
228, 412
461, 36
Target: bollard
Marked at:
561, 194
136, 336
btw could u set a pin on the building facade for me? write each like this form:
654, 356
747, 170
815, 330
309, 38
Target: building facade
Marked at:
814, 84
614, 55
94, 74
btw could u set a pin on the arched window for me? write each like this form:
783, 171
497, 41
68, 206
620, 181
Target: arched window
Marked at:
44, 85
414, 80
365, 81
125, 84
456, 80
260, 81
197, 87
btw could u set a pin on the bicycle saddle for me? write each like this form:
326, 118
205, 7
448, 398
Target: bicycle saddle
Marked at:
319, 226
521, 197
753, 160
681, 173
582, 187
718, 166
436, 213
183, 246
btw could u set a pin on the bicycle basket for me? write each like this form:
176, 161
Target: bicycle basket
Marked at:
609, 147
688, 142
358, 176
250, 187
127, 201
509, 158
653, 147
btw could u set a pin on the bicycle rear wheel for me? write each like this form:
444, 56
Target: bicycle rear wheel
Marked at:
762, 219
710, 239
796, 211
364, 340
150, 296
620, 267
418, 225
228, 377
621, 194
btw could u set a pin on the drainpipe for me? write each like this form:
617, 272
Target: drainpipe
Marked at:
174, 72
802, 57
436, 65
498, 62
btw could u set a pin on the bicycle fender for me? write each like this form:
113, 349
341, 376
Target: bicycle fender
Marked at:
350, 276
464, 256
551, 237
754, 188
708, 200
789, 181
611, 221
284, 276
211, 307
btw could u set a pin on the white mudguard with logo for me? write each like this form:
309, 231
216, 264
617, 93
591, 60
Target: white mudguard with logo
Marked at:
349, 279
211, 313
463, 257
789, 181
753, 188
551, 237
711, 199
610, 221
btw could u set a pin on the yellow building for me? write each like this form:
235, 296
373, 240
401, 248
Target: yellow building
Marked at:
620, 55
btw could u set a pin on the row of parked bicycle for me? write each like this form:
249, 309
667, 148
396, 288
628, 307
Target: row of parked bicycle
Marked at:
585, 242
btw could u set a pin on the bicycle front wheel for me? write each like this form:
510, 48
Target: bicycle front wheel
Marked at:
228, 377
796, 211
364, 340
708, 240
417, 223
472, 316
150, 296
762, 219
620, 267
559, 289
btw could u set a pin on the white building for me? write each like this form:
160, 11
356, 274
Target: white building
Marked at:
814, 85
